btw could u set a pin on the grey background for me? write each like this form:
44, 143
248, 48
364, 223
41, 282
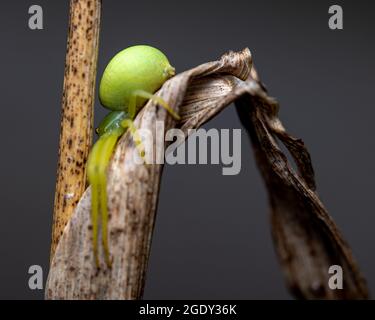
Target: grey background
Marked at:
220, 247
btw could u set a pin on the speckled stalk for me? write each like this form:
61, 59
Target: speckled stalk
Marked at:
77, 111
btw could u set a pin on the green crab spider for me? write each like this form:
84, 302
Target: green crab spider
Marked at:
130, 79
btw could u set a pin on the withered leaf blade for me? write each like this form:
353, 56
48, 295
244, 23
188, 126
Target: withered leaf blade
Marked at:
198, 95
306, 239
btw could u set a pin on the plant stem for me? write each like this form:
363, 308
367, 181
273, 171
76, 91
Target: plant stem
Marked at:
77, 111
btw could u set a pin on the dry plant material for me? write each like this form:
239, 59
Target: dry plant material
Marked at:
306, 239
77, 111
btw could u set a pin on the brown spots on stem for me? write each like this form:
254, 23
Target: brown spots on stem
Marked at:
70, 142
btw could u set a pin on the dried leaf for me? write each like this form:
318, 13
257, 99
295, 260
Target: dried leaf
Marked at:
301, 225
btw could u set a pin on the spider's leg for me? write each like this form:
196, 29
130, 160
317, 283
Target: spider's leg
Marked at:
155, 98
96, 173
105, 156
93, 165
129, 124
132, 108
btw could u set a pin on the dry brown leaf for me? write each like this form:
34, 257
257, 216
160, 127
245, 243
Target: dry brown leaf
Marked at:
306, 239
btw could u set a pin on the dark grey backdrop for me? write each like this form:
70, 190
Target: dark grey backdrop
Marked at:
220, 247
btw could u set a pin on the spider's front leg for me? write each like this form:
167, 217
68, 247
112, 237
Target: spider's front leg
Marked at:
147, 95
132, 109
109, 132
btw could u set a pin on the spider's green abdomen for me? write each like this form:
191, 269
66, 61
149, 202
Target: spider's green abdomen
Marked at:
139, 67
